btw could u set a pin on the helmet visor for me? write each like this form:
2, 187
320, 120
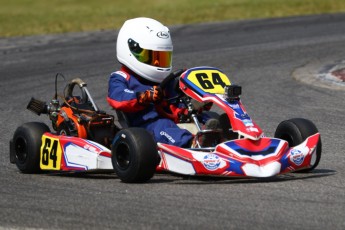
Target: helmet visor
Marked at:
151, 57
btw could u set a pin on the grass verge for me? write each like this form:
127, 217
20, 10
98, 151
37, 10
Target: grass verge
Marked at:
29, 17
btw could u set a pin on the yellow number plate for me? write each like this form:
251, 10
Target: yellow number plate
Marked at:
50, 153
210, 81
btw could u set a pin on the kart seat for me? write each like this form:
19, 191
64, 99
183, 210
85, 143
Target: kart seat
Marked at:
121, 120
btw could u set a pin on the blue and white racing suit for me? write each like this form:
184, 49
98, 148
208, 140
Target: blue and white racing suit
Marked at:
123, 86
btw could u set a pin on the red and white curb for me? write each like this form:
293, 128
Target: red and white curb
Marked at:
322, 74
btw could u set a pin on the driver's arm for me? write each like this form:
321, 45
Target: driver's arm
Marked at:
120, 96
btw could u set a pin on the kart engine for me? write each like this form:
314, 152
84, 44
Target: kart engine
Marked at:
77, 116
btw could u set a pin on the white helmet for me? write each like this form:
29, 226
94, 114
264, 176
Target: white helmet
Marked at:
144, 45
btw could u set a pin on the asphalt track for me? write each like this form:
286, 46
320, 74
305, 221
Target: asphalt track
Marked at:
260, 55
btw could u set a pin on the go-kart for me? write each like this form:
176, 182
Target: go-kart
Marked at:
87, 138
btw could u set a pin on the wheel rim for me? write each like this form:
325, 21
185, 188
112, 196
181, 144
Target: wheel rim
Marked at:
123, 157
63, 132
21, 150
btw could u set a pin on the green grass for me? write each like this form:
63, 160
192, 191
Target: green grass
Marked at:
28, 17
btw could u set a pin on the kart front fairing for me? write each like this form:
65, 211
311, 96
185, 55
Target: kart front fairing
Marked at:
206, 84
252, 155
265, 157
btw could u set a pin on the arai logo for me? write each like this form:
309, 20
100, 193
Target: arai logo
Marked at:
211, 161
297, 157
163, 34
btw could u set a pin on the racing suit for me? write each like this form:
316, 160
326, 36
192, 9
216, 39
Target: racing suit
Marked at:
123, 86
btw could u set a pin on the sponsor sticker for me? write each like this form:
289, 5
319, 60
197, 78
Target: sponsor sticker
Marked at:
297, 157
124, 75
128, 91
234, 106
247, 122
172, 140
211, 161
252, 129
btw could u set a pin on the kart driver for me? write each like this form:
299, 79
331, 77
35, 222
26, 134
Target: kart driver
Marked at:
144, 48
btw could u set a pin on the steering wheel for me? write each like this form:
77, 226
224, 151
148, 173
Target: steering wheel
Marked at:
70, 87
171, 79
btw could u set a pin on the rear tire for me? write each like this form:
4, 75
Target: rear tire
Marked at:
297, 130
26, 142
134, 155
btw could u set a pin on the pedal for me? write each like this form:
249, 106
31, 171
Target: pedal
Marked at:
38, 107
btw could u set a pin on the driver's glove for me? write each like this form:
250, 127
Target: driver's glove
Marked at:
153, 95
178, 113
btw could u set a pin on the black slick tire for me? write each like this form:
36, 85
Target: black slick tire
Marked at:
297, 130
134, 155
26, 144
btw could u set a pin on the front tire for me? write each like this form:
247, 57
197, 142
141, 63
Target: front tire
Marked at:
27, 140
134, 155
297, 130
